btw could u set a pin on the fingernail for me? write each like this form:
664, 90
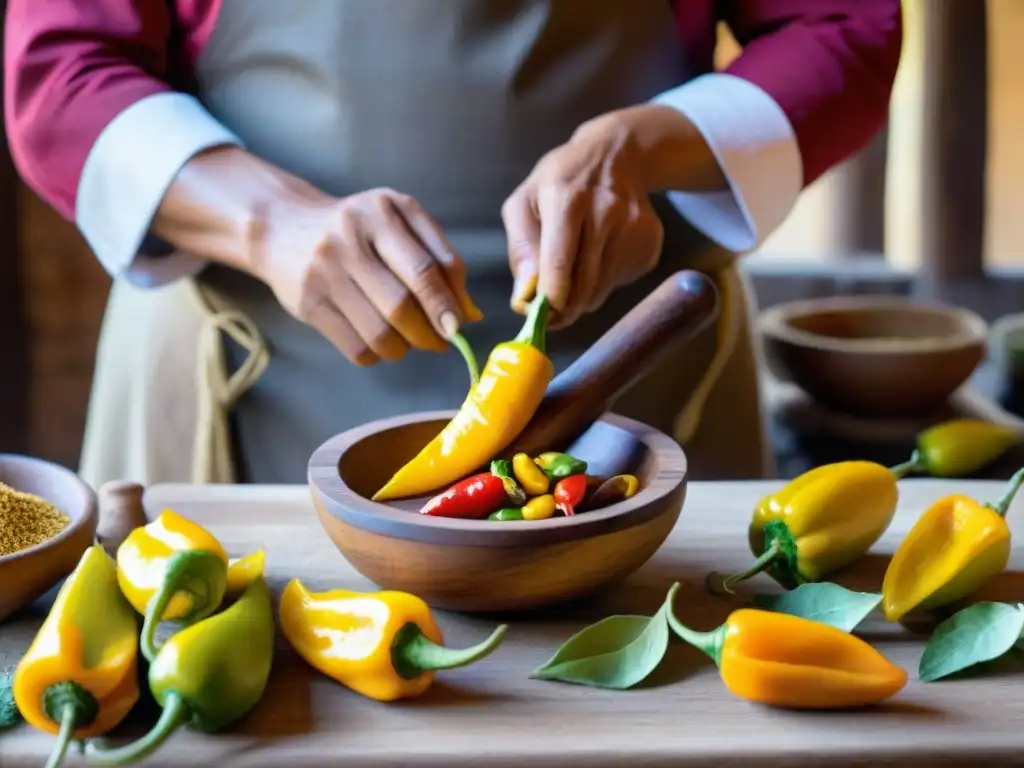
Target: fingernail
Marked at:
524, 286
449, 324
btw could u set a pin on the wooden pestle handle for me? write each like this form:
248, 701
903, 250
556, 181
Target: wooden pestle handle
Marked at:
683, 305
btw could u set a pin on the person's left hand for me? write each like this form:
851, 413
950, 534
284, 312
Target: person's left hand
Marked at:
581, 225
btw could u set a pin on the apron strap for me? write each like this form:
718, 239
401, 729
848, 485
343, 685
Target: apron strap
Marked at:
727, 332
212, 459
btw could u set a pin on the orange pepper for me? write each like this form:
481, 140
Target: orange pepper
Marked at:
788, 661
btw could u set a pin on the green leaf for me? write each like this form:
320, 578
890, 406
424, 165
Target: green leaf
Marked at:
618, 652
823, 602
9, 714
978, 633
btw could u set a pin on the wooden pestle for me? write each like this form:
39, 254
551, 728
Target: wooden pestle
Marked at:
683, 305
120, 512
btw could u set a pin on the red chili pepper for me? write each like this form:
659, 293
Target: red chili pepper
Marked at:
569, 493
479, 495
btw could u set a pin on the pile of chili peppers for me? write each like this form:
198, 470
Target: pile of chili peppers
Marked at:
829, 517
80, 677
530, 488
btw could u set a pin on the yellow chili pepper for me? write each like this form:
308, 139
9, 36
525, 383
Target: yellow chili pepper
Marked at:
171, 569
79, 677
529, 475
498, 407
819, 522
540, 508
958, 447
789, 661
383, 645
954, 548
613, 490
243, 572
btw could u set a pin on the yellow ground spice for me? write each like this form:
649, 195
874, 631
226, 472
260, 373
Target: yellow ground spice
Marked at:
26, 520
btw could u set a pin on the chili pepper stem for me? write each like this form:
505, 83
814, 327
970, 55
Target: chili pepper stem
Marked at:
1003, 505
502, 469
68, 726
914, 465
460, 343
72, 706
183, 574
710, 643
413, 653
718, 584
174, 714
535, 326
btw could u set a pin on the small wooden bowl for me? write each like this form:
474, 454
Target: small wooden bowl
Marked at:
26, 575
482, 565
873, 356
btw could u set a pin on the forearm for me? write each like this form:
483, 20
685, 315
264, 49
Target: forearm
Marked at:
221, 202
674, 153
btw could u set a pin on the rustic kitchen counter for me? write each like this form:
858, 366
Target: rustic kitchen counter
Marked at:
493, 714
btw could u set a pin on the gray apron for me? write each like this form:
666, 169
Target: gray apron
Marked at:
453, 102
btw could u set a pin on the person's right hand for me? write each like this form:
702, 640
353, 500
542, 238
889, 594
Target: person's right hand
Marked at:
372, 272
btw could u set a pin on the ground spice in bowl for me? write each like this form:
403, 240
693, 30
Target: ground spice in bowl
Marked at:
26, 520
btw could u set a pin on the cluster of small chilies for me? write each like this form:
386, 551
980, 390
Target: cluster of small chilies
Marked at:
528, 488
80, 677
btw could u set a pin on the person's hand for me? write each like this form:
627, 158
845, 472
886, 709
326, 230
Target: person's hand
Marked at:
372, 272
581, 225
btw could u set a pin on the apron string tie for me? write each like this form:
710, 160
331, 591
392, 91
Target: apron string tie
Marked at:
212, 459
727, 336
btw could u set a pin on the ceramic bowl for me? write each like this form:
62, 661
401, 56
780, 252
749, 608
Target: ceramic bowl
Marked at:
26, 575
481, 565
885, 357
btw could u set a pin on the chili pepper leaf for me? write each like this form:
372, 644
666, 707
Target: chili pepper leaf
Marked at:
823, 602
978, 633
618, 652
9, 714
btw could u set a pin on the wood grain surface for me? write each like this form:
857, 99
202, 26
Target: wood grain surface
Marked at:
492, 714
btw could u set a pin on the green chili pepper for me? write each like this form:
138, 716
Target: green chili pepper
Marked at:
559, 465
502, 469
206, 676
508, 513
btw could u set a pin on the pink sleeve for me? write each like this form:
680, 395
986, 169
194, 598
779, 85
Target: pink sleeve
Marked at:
70, 67
830, 65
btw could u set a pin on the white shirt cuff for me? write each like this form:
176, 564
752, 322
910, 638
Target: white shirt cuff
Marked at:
126, 175
756, 147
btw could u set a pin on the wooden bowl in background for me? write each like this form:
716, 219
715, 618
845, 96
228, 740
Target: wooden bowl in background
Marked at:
876, 356
481, 565
26, 575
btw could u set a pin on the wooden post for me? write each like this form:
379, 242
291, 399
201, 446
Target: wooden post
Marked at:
14, 361
858, 204
954, 140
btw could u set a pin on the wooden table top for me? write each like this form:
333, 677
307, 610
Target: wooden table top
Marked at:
493, 714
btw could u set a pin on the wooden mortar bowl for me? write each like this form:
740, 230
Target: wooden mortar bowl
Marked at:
26, 575
482, 565
873, 356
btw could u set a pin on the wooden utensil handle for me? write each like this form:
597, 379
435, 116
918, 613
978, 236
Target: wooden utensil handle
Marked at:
682, 306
